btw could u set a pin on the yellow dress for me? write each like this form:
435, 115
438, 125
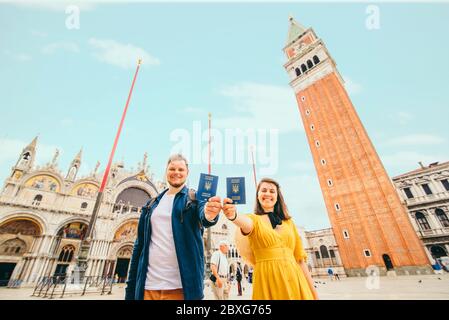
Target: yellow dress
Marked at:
277, 274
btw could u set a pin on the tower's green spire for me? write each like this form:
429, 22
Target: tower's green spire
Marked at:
295, 30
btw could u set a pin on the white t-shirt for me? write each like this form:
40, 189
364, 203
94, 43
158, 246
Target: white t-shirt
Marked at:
163, 269
221, 262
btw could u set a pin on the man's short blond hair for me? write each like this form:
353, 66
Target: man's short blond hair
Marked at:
177, 157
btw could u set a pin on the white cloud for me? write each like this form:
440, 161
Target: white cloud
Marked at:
121, 55
63, 46
352, 87
56, 5
260, 106
21, 57
415, 140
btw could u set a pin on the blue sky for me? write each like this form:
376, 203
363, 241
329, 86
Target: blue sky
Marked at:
69, 86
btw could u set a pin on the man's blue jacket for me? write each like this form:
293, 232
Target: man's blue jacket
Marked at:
188, 222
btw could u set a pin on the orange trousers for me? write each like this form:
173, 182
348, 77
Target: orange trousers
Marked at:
175, 294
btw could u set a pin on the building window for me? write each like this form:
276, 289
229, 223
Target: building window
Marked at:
307, 112
445, 183
426, 189
84, 206
408, 193
303, 98
66, 254
316, 60
309, 64
37, 200
324, 252
367, 253
329, 182
317, 143
323, 162
303, 68
13, 247
337, 207
312, 127
332, 253
422, 221
442, 217
346, 234
298, 72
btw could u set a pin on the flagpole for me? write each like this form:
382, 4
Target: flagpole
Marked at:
86, 241
254, 166
209, 170
209, 152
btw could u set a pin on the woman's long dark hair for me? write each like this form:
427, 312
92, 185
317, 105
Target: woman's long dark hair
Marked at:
280, 208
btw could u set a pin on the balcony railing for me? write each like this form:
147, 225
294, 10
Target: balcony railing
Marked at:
120, 209
325, 262
434, 232
427, 198
42, 205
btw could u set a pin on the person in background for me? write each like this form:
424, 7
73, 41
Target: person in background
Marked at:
238, 277
219, 268
330, 272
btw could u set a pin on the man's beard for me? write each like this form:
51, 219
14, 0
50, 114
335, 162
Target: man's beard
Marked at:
177, 185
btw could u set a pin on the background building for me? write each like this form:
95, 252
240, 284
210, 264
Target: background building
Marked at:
322, 251
425, 192
44, 215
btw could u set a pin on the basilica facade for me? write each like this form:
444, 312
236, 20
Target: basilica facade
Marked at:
44, 215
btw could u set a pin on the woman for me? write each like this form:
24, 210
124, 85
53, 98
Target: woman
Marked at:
280, 271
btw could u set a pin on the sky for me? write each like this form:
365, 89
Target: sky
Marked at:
69, 86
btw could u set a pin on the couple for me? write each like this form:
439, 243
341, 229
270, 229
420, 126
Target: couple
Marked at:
168, 256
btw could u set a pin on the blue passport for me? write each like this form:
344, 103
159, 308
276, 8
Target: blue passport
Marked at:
236, 189
207, 187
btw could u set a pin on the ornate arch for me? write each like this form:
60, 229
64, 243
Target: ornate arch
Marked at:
85, 188
116, 247
132, 182
73, 220
44, 180
124, 251
25, 217
126, 231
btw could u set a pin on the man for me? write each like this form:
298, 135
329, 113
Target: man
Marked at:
168, 256
330, 272
219, 268
250, 275
238, 277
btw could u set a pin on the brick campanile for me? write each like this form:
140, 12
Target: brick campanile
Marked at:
370, 224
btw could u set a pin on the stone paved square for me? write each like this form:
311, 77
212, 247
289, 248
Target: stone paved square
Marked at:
428, 287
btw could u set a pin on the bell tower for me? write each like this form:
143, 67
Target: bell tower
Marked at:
74, 167
26, 160
370, 224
